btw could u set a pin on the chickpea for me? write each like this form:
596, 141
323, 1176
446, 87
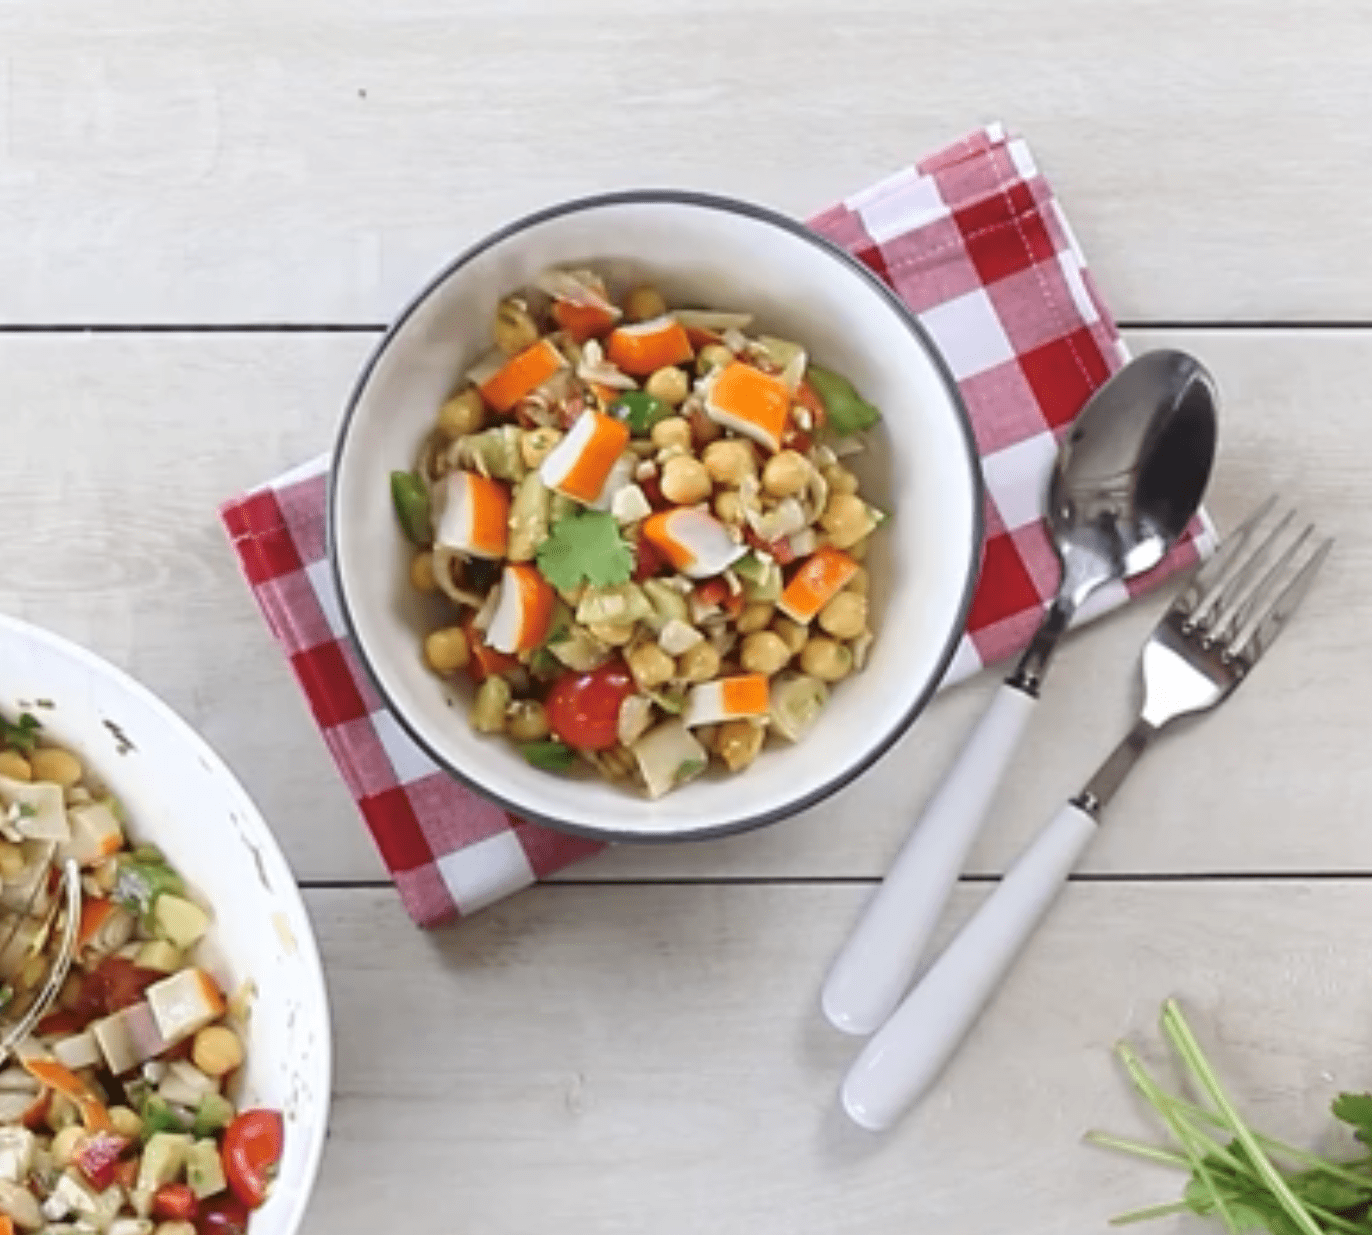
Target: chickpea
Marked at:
785, 474
729, 506
846, 520
14, 765
729, 461
174, 1228
66, 1144
11, 860
685, 480
698, 664
738, 743
764, 651
127, 1122
488, 708
217, 1050
513, 329
839, 478
844, 617
57, 767
462, 414
826, 660
644, 304
527, 720
755, 616
422, 572
793, 634
671, 431
650, 665
446, 650
614, 634
858, 552
535, 445
669, 384
713, 356
859, 582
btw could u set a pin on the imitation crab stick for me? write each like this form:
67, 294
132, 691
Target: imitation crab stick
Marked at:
476, 512
644, 347
95, 912
582, 461
695, 542
821, 577
64, 1081
521, 374
735, 698
485, 659
523, 613
583, 321
750, 402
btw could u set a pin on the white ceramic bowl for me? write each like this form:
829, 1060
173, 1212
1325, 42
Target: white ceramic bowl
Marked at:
700, 251
181, 797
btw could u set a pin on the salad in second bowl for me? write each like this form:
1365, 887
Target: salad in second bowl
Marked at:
650, 548
116, 1113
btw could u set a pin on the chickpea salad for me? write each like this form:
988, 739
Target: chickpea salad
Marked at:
115, 1109
650, 547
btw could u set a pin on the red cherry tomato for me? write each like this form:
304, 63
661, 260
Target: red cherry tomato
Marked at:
224, 1214
174, 1203
647, 560
252, 1148
583, 708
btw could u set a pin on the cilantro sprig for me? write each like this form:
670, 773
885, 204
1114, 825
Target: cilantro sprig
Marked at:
22, 735
1249, 1181
585, 546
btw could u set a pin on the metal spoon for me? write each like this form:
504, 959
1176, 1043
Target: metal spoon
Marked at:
1127, 479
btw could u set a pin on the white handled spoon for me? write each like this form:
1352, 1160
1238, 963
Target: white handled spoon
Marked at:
1127, 480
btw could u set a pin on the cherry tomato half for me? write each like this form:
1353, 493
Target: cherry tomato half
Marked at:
224, 1214
583, 708
174, 1203
252, 1148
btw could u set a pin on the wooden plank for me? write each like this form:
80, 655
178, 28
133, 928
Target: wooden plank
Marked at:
187, 161
120, 447
646, 1058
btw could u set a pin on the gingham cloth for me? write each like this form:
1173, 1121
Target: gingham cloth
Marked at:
975, 243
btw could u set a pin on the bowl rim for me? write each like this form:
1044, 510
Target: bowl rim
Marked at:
303, 1186
730, 205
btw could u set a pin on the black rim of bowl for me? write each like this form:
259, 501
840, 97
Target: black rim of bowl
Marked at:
731, 206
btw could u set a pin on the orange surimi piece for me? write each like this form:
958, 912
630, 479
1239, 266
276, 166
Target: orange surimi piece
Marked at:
64, 1081
476, 512
521, 374
95, 911
524, 611
644, 347
581, 462
735, 698
750, 402
821, 577
583, 321
695, 542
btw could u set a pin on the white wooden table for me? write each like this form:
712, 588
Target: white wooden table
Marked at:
207, 212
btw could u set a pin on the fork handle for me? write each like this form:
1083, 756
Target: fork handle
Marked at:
875, 967
905, 1056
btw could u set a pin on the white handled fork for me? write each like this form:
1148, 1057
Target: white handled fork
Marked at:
1214, 632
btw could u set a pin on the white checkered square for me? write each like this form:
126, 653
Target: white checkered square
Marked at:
965, 663
912, 205
968, 333
1017, 478
1071, 273
321, 580
1106, 597
482, 874
408, 761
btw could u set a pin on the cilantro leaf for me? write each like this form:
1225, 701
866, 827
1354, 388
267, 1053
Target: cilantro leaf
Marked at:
23, 735
1355, 1109
585, 546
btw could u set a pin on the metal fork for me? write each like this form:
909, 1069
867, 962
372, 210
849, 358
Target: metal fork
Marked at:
1216, 630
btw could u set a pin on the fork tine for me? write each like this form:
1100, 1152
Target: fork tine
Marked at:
1236, 615
1227, 598
1202, 588
1251, 643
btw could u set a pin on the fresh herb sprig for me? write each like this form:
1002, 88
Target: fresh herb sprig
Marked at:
1249, 1181
21, 735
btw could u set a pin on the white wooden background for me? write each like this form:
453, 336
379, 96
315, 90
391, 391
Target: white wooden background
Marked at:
207, 211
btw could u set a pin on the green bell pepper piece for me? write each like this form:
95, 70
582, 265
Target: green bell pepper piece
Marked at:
640, 411
550, 756
848, 411
411, 501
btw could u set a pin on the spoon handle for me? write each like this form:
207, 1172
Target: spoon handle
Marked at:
877, 964
904, 1057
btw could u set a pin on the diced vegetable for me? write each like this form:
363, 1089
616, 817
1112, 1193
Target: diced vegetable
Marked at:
667, 756
668, 604
618, 603
495, 453
185, 1002
185, 1084
163, 1158
180, 921
204, 1170
847, 411
95, 833
796, 702
16, 1153
159, 954
411, 501
98, 1157
528, 518
549, 755
159, 1116
214, 1112
139, 883
640, 411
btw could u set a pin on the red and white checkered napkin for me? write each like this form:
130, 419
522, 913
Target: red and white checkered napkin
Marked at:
974, 241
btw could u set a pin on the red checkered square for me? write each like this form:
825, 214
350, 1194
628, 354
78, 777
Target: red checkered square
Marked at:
361, 757
329, 684
1005, 587
1001, 406
1035, 306
999, 250
297, 616
1005, 638
453, 815
267, 548
300, 505
1063, 373
397, 831
1034, 548
425, 895
548, 851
